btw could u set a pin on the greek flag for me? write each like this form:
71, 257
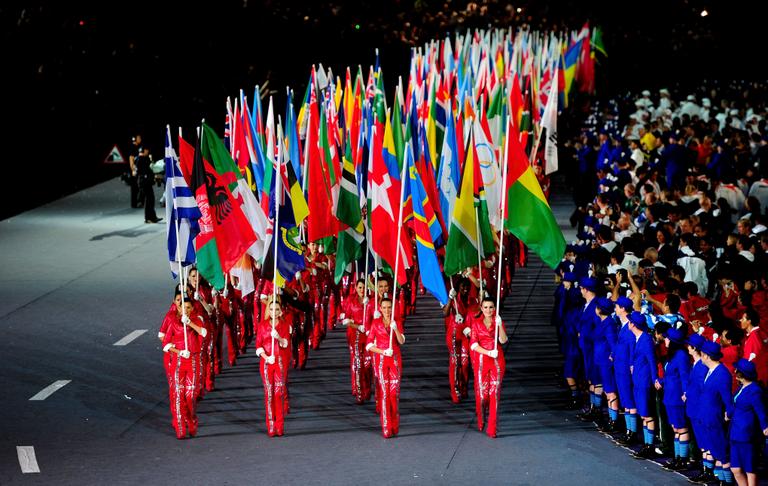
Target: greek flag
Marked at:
181, 212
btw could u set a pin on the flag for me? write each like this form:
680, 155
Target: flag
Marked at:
570, 59
244, 200
350, 239
464, 242
423, 218
385, 193
449, 174
549, 129
529, 216
321, 222
487, 162
597, 41
181, 212
288, 203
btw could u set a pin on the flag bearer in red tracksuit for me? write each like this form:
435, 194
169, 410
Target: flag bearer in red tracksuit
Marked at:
184, 368
317, 264
273, 346
488, 363
352, 317
457, 331
387, 365
297, 292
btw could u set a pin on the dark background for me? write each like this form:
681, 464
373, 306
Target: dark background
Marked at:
81, 77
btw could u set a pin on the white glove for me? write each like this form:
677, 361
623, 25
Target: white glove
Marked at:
376, 314
184, 353
365, 300
388, 352
459, 319
274, 334
214, 292
452, 294
225, 293
498, 320
361, 329
197, 295
185, 319
314, 271
342, 316
393, 325
270, 359
298, 275
494, 353
467, 331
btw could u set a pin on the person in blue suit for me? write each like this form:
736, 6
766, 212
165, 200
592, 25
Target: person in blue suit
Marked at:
587, 321
749, 424
676, 372
644, 375
622, 365
691, 397
572, 362
604, 339
715, 403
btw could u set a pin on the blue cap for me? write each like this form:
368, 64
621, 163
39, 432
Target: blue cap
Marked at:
696, 341
638, 319
588, 283
605, 305
675, 335
712, 349
747, 368
625, 302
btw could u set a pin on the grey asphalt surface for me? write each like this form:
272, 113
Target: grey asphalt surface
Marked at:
82, 272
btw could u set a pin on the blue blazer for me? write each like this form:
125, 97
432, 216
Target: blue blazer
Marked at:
749, 417
693, 390
624, 349
588, 320
604, 337
716, 397
644, 362
676, 375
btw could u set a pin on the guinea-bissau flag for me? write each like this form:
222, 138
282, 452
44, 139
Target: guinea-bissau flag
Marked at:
528, 215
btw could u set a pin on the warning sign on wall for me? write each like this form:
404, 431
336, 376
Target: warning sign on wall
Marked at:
114, 156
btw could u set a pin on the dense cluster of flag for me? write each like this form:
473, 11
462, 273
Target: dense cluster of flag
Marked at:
447, 162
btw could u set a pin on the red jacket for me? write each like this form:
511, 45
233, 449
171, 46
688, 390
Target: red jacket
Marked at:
378, 335
755, 351
175, 334
264, 334
480, 334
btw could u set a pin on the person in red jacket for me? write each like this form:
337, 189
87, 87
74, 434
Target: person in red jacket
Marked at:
385, 337
352, 317
272, 346
755, 344
183, 340
457, 331
488, 363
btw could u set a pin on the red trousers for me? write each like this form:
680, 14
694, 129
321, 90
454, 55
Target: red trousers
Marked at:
360, 373
300, 340
458, 363
489, 373
230, 330
388, 370
318, 322
273, 377
182, 388
207, 362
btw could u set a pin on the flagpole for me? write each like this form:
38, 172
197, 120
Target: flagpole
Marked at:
178, 248
276, 232
501, 230
479, 252
397, 247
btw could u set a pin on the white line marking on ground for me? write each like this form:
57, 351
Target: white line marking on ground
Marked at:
50, 390
27, 459
130, 337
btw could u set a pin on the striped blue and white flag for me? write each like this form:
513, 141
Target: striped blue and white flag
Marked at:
181, 211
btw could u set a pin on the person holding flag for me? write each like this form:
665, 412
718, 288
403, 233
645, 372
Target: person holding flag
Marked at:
457, 331
184, 348
352, 317
387, 366
272, 346
487, 332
